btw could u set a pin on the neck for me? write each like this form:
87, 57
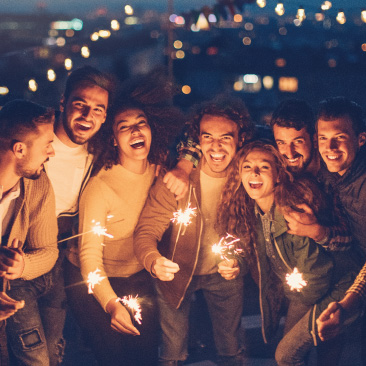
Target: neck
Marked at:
266, 203
314, 165
206, 169
8, 176
61, 133
134, 166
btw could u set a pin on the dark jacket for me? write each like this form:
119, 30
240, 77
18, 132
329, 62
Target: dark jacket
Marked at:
328, 275
351, 190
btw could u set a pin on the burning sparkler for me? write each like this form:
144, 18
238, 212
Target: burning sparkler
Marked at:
184, 217
97, 229
228, 248
295, 280
133, 304
94, 278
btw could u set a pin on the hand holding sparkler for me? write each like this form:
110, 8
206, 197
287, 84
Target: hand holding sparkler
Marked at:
229, 269
164, 269
120, 317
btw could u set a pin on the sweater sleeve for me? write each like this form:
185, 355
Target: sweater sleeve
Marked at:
154, 220
40, 249
93, 208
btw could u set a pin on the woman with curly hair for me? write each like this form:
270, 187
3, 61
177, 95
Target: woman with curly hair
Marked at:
248, 210
137, 134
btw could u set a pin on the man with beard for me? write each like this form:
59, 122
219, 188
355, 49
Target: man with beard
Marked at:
28, 228
185, 262
83, 110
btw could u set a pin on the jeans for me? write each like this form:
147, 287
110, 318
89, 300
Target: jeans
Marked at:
35, 332
225, 303
112, 348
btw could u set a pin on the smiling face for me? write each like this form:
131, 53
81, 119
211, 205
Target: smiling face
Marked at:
37, 151
338, 144
218, 141
83, 114
132, 134
296, 146
259, 176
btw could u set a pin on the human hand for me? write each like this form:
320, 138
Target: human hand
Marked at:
302, 222
177, 180
329, 321
164, 269
11, 261
9, 306
229, 269
120, 318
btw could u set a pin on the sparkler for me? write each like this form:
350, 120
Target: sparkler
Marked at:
94, 278
133, 304
228, 248
184, 217
295, 280
97, 229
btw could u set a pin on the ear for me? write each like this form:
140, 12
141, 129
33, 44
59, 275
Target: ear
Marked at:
114, 142
361, 139
19, 149
62, 104
241, 141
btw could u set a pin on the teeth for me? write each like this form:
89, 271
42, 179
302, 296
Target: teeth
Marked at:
293, 160
217, 156
333, 157
86, 125
138, 141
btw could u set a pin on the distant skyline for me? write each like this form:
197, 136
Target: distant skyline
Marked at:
79, 7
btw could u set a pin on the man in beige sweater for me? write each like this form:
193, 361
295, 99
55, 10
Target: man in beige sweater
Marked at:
28, 226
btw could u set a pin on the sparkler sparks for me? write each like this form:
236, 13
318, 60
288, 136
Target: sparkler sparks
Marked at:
228, 248
94, 278
184, 217
97, 229
133, 304
295, 280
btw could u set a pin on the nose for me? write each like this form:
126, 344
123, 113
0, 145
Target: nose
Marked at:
216, 143
256, 170
290, 151
86, 112
135, 129
333, 144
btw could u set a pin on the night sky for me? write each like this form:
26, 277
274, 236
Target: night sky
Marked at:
84, 6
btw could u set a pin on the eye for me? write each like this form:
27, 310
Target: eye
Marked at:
142, 123
299, 142
78, 105
265, 167
246, 167
279, 143
98, 111
321, 138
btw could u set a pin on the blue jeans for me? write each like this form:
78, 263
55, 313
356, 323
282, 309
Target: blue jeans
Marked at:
225, 304
35, 332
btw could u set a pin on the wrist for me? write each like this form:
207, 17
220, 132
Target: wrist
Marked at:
322, 235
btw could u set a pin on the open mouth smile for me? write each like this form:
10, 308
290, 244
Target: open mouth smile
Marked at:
138, 143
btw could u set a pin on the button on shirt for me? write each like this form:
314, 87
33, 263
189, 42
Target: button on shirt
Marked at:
271, 251
7, 207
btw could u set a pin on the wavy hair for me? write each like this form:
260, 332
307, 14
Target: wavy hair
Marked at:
236, 209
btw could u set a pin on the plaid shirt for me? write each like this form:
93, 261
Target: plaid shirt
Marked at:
359, 286
190, 151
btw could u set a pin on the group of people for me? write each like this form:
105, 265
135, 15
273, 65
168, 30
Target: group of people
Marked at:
295, 204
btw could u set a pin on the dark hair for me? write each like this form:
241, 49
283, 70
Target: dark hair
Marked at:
305, 189
231, 108
89, 76
20, 117
336, 107
151, 94
294, 113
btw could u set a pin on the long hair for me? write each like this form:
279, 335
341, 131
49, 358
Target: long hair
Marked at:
236, 209
152, 95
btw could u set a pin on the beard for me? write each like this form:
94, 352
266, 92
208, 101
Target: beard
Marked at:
23, 171
70, 133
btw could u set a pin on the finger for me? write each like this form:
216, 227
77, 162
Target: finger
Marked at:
169, 264
306, 208
14, 243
